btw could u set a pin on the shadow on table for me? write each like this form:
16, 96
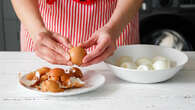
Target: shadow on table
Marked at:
183, 77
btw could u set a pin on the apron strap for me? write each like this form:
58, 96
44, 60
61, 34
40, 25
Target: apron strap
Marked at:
50, 2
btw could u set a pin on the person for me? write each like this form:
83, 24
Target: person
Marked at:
51, 27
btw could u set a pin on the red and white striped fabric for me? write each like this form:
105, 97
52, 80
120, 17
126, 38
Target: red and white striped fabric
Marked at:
78, 21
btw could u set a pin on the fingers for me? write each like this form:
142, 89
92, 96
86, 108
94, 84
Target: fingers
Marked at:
46, 40
51, 56
100, 48
108, 52
90, 42
62, 40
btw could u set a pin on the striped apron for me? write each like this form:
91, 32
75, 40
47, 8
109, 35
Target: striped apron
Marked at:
78, 21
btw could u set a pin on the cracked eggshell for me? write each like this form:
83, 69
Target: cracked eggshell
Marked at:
43, 70
24, 80
50, 86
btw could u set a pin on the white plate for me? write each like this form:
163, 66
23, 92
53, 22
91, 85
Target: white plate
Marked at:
92, 79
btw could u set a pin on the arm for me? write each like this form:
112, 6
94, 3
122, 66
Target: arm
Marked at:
105, 38
28, 13
123, 14
47, 45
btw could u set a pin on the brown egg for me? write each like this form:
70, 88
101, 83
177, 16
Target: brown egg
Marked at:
51, 86
76, 72
43, 70
77, 54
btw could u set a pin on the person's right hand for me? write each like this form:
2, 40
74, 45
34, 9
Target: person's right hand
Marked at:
51, 47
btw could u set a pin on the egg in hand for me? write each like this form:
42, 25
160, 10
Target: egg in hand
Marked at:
77, 54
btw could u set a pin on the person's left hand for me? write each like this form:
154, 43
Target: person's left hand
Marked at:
105, 42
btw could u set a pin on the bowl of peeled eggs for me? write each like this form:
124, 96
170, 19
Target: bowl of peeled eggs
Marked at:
146, 63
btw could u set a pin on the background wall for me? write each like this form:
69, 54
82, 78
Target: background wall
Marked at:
9, 27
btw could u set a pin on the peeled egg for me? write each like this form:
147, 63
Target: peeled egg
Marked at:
159, 58
123, 59
161, 64
144, 67
77, 54
143, 61
128, 65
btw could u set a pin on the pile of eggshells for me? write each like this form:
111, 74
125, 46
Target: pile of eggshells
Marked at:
144, 63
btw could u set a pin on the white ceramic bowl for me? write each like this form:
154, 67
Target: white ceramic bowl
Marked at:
150, 51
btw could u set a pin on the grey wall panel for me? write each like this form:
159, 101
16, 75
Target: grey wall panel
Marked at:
8, 10
11, 27
12, 35
1, 27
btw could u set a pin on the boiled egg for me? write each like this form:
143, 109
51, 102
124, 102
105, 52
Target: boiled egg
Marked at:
77, 54
161, 64
143, 61
123, 59
159, 58
129, 65
144, 67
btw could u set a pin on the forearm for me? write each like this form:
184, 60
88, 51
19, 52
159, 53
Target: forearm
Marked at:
29, 15
123, 14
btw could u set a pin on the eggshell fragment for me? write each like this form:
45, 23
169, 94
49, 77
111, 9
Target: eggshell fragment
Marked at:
51, 86
76, 72
43, 70
29, 83
54, 74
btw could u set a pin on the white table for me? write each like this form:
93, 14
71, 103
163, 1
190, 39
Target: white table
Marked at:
175, 94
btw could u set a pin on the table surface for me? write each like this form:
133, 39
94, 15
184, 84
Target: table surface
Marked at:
175, 94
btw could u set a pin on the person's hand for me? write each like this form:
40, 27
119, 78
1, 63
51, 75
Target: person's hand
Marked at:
51, 47
105, 42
